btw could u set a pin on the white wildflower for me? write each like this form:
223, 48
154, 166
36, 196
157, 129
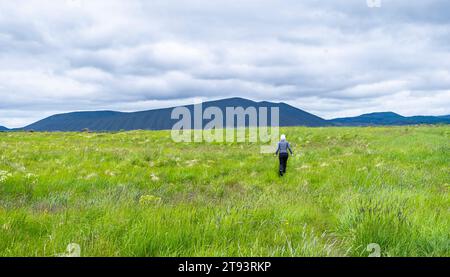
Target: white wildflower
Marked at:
110, 173
154, 177
4, 175
90, 176
191, 163
30, 175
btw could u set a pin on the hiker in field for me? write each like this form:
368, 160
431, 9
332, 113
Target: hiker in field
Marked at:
282, 152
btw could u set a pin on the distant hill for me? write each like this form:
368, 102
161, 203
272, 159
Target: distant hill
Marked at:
389, 118
160, 119
3, 129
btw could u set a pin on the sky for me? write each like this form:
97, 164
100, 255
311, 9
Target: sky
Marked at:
333, 58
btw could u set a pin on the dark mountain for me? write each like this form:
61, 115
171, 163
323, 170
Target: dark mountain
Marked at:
160, 119
389, 118
3, 129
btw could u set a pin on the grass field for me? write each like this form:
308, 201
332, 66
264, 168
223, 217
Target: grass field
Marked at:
139, 194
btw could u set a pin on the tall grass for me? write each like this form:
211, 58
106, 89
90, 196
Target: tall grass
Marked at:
139, 194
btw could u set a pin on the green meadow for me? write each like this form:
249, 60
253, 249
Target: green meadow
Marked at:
140, 194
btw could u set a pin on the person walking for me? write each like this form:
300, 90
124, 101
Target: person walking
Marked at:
283, 155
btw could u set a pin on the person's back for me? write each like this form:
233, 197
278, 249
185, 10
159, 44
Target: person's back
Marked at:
282, 152
283, 146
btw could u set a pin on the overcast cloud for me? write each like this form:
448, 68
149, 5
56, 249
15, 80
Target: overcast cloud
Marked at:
331, 58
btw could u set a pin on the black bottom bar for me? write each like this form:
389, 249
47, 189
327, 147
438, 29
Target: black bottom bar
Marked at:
213, 266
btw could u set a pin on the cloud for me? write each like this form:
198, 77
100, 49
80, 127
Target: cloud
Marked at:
332, 58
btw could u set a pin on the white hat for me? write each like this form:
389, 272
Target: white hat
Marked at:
283, 137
